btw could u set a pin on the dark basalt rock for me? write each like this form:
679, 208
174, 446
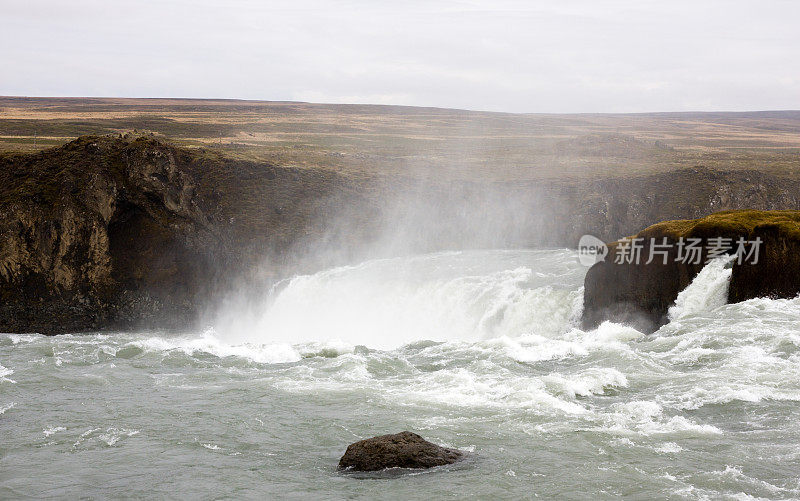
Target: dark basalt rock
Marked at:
401, 450
640, 294
102, 233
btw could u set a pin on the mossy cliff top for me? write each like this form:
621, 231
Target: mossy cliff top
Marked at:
728, 224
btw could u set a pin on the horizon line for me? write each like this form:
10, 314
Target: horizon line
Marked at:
384, 105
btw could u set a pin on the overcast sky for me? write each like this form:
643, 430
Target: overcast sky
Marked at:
520, 56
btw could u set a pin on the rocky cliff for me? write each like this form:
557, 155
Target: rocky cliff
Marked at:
112, 232
122, 232
633, 288
101, 233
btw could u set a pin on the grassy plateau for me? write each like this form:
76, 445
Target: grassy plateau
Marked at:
423, 142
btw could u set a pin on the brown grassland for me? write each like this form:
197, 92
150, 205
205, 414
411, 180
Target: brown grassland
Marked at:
422, 141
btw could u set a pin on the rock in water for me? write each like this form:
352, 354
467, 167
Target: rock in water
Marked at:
401, 450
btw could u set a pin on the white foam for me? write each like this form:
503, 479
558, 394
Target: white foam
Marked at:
110, 436
114, 435
463, 388
669, 448
608, 337
745, 352
535, 348
647, 418
209, 343
23, 338
732, 472
589, 382
5, 371
52, 430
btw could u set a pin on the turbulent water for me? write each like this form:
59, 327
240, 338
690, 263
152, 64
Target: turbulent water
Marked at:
475, 350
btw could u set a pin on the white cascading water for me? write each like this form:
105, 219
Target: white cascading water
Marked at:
449, 296
388, 303
707, 291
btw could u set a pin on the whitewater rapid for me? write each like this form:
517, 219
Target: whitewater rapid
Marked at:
478, 350
444, 297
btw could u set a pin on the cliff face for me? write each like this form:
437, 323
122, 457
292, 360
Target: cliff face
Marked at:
613, 208
100, 233
640, 293
110, 232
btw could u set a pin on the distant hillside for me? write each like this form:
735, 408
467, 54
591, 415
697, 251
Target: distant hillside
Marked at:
423, 142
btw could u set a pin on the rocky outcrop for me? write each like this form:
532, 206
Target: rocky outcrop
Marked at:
400, 450
638, 290
101, 233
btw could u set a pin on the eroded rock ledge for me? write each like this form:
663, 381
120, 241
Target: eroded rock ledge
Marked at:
101, 232
639, 294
